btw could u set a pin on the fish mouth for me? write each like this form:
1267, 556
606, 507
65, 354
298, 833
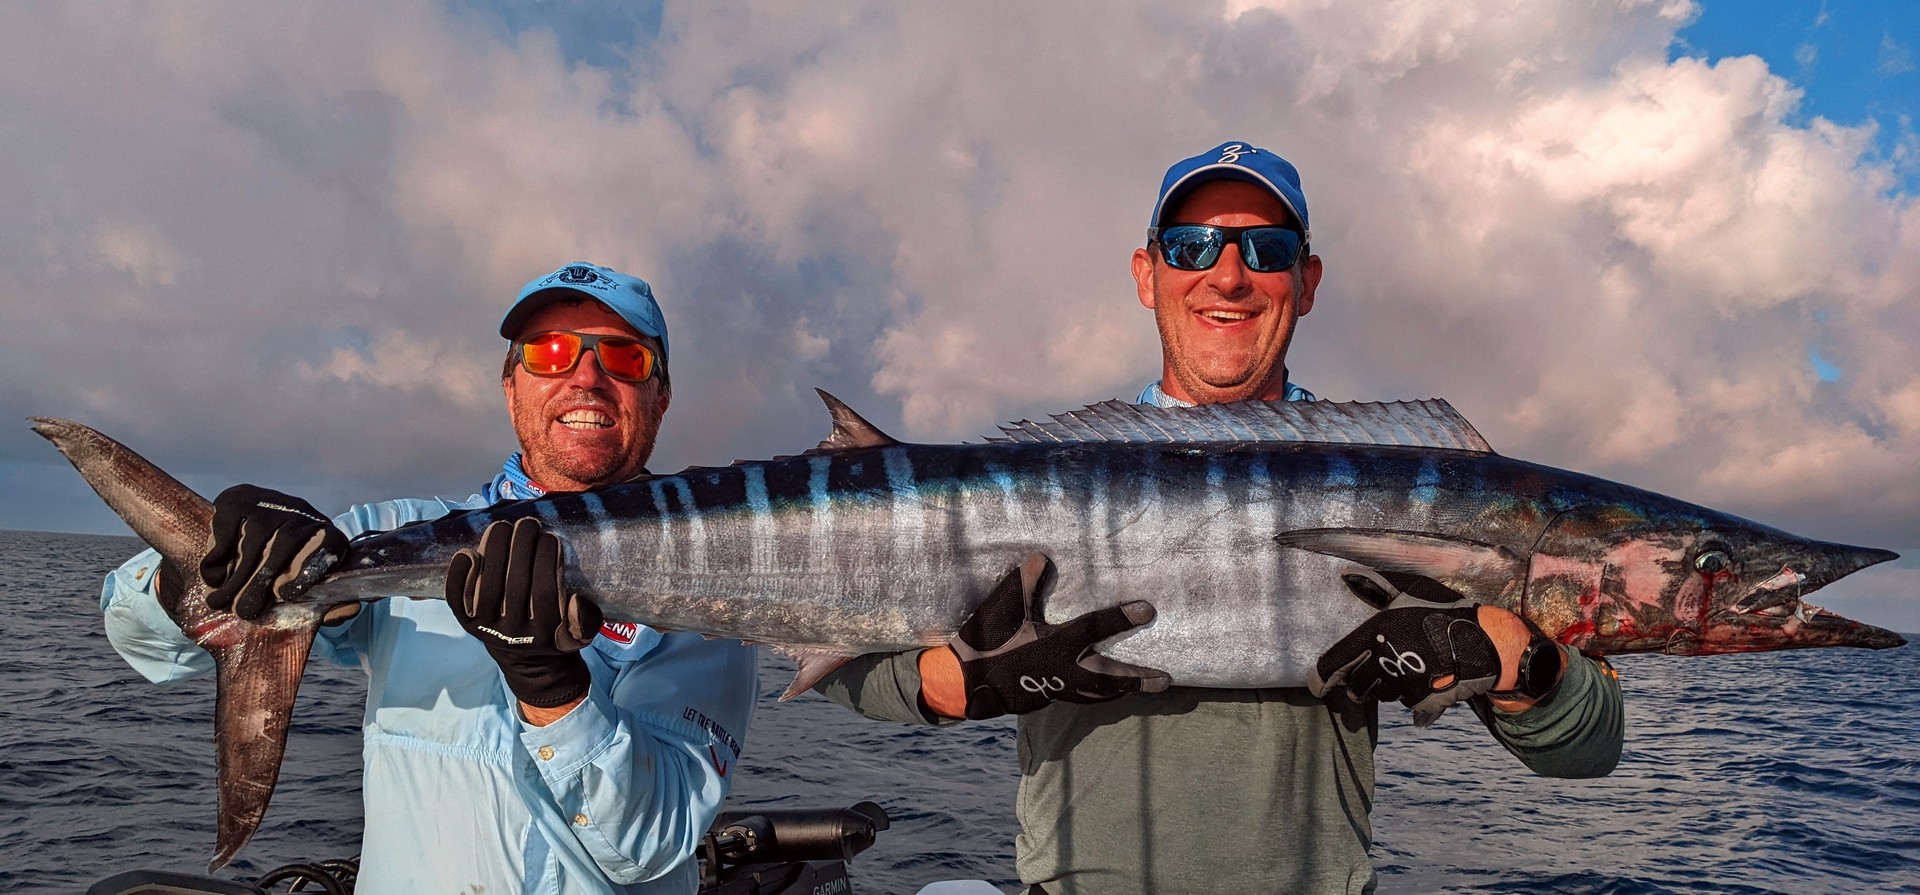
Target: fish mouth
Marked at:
1776, 612
1801, 626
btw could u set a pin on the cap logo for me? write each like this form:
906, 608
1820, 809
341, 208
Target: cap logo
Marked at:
579, 276
1230, 154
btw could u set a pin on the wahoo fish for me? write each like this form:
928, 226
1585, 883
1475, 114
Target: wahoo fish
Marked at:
1251, 527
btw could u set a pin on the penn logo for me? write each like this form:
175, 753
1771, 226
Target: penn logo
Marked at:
620, 632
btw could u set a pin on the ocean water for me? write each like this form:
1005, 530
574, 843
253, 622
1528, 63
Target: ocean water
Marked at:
1782, 772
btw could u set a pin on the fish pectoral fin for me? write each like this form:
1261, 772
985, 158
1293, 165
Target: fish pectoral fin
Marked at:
814, 665
1473, 569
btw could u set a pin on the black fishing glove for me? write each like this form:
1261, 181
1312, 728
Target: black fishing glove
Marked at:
511, 594
261, 541
1013, 662
1426, 648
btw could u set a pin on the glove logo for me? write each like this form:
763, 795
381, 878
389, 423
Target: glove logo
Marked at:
504, 638
718, 764
269, 505
1400, 664
620, 632
1044, 687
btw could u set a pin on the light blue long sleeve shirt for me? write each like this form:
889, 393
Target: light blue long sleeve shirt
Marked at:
464, 796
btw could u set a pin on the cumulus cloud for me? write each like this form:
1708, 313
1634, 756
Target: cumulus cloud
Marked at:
265, 243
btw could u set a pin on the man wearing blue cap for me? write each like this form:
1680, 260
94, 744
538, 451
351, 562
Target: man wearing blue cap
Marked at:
1185, 789
513, 743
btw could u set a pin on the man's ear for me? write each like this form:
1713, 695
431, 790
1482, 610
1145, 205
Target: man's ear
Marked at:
1143, 276
506, 389
1309, 281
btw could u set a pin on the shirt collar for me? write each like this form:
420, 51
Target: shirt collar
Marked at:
512, 483
1153, 394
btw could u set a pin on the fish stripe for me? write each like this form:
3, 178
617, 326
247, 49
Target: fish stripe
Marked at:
764, 559
1425, 484
692, 527
820, 529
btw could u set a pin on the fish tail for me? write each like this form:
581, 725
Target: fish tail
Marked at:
257, 666
162, 511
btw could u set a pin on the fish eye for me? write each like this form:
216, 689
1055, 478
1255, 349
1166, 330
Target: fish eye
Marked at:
1712, 561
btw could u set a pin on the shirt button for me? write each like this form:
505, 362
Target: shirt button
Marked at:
546, 753
140, 574
579, 820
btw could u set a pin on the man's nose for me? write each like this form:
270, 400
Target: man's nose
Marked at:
1229, 275
588, 372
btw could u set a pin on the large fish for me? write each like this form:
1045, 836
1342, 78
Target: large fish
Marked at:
1248, 526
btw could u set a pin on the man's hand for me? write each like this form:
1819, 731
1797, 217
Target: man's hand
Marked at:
261, 541
511, 594
1426, 648
1012, 662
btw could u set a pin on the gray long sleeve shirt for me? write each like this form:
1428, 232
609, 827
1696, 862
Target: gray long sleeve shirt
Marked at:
1199, 790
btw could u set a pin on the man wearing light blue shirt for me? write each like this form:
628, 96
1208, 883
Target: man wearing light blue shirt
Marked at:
497, 762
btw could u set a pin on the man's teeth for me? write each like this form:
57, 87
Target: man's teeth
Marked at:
585, 419
1228, 316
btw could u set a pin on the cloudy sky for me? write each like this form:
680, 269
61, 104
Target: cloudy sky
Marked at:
1672, 243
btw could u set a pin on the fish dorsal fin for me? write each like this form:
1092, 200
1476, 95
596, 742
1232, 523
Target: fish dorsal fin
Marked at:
850, 430
1432, 423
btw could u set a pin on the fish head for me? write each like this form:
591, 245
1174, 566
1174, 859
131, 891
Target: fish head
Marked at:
1672, 577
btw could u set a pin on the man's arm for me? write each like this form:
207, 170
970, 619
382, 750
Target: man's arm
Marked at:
642, 764
1004, 660
1577, 730
1559, 712
142, 633
884, 687
913, 687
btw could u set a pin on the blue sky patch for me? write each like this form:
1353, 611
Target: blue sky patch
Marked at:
1855, 60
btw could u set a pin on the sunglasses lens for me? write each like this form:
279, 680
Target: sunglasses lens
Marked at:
1270, 249
550, 353
1190, 247
625, 358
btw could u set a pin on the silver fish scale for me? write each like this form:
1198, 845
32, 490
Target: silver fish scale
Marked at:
1431, 423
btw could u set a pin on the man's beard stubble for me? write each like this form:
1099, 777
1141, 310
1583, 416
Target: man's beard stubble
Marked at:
1245, 385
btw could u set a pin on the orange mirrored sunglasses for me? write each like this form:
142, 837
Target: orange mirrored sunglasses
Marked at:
552, 353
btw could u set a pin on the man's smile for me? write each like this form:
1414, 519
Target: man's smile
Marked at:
1226, 316
587, 420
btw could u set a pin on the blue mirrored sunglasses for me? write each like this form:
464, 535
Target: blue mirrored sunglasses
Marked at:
1265, 249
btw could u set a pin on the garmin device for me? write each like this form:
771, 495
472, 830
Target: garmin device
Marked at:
1539, 667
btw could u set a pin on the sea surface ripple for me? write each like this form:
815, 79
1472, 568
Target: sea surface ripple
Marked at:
1780, 772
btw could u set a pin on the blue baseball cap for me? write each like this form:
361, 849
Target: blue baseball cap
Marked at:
630, 297
1235, 161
